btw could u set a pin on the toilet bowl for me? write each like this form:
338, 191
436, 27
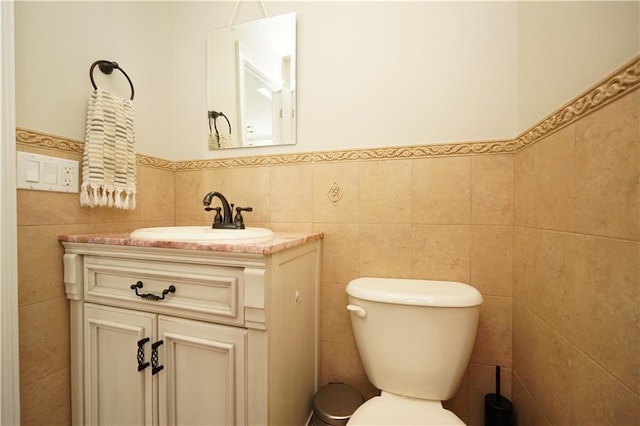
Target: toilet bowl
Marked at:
414, 338
390, 409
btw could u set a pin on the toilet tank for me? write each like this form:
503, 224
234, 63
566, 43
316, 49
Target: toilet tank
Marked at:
414, 336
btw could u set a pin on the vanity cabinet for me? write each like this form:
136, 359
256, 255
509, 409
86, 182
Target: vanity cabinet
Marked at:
234, 343
204, 361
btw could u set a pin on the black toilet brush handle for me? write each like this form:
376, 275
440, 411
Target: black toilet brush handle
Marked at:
498, 382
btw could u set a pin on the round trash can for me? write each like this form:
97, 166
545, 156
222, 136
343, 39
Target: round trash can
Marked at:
334, 404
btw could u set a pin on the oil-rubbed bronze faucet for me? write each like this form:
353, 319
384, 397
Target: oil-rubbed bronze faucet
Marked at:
225, 220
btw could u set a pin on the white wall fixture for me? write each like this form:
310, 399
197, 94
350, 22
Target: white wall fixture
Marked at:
44, 173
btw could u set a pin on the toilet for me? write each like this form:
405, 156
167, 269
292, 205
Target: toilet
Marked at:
414, 338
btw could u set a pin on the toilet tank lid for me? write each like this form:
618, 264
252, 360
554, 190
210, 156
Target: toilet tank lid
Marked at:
415, 292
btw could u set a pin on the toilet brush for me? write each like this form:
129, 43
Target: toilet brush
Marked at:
498, 382
498, 410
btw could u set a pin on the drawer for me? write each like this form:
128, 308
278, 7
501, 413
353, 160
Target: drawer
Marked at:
209, 293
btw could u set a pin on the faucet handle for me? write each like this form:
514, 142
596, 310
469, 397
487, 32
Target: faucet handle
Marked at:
238, 219
218, 216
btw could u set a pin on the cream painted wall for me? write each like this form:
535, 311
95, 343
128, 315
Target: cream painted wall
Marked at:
379, 74
370, 73
566, 47
56, 42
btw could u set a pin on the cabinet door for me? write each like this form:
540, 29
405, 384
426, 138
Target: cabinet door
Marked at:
203, 379
116, 393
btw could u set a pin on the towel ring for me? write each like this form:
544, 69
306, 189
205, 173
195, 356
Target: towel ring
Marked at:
214, 115
107, 67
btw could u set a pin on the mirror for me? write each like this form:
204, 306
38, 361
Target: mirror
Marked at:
251, 83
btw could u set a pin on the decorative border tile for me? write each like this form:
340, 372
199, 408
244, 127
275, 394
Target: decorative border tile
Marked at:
57, 143
621, 83
403, 152
43, 140
158, 163
618, 84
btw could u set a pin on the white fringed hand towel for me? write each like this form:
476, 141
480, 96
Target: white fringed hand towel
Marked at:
225, 141
109, 161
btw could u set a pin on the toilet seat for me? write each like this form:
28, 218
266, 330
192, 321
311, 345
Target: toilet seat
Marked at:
390, 409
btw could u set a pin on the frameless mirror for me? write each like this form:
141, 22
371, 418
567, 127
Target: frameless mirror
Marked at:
251, 83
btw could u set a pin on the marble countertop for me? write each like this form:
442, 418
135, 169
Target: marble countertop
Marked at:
279, 241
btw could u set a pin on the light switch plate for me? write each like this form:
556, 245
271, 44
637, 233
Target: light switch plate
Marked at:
44, 173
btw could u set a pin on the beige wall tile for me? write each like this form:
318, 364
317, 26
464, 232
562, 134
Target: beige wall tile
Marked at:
597, 398
346, 177
597, 277
526, 411
340, 252
492, 189
47, 402
526, 243
606, 305
44, 339
292, 227
385, 250
385, 191
552, 279
492, 259
493, 339
156, 194
542, 361
441, 252
335, 322
112, 215
607, 170
291, 195
554, 181
441, 190
40, 272
251, 187
524, 181
49, 208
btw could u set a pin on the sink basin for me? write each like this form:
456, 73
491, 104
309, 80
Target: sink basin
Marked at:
203, 234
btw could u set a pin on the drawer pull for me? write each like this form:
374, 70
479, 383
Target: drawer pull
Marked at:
151, 296
155, 368
141, 364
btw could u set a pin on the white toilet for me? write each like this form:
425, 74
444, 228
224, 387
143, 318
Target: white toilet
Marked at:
415, 338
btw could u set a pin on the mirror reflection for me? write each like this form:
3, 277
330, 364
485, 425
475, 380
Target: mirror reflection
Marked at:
251, 83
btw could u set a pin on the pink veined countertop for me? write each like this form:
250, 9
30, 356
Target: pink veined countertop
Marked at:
279, 241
